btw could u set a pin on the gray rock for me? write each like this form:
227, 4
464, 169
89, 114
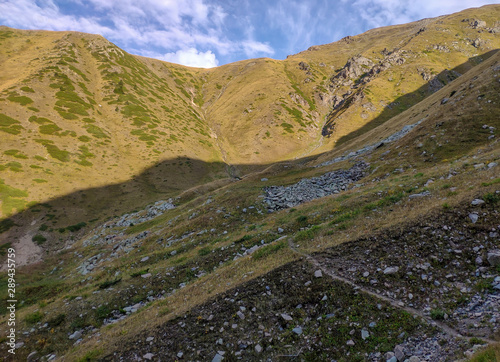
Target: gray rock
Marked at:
77, 335
365, 334
476, 202
422, 194
33, 356
399, 352
180, 354
264, 179
297, 330
240, 314
258, 348
389, 355
350, 342
286, 317
473, 217
217, 358
494, 258
148, 356
318, 273
392, 359
414, 359
391, 270
492, 164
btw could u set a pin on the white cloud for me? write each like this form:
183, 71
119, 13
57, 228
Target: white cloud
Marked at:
28, 15
192, 58
376, 13
253, 48
220, 29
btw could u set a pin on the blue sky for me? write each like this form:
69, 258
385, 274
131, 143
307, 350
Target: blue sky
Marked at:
207, 33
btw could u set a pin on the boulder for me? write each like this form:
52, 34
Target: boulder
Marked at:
494, 258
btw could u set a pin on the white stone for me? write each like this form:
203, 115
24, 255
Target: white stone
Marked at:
76, 335
391, 270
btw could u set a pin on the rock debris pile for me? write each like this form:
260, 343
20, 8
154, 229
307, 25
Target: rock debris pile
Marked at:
281, 197
392, 138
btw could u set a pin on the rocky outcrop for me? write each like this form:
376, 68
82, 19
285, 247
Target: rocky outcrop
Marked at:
475, 23
394, 137
281, 197
354, 68
305, 67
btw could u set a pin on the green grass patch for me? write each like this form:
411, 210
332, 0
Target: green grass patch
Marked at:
109, 283
33, 318
27, 89
23, 100
296, 114
39, 239
493, 182
139, 273
491, 198
4, 248
16, 154
11, 198
90, 356
50, 129
437, 314
54, 151
287, 127
10, 125
308, 234
204, 251
5, 225
268, 250
96, 131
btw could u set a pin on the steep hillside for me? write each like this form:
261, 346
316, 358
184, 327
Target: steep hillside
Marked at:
340, 204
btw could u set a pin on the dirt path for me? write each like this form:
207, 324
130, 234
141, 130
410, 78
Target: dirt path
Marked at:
393, 302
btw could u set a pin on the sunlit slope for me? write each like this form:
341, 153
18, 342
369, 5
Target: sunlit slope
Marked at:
376, 75
78, 112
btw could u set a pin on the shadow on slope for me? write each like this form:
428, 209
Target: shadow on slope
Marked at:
63, 218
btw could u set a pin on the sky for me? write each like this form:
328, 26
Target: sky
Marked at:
208, 33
